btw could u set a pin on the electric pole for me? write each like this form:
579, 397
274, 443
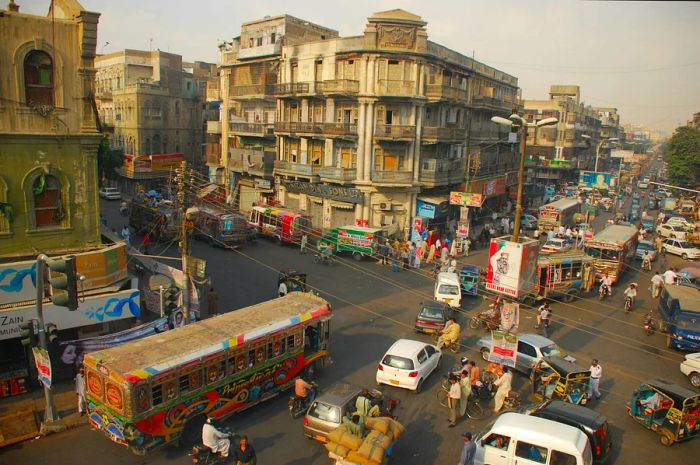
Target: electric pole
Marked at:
184, 242
50, 415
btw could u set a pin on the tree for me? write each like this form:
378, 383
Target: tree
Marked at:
108, 160
683, 157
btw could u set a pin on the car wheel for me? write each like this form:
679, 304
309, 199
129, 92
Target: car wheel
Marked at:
667, 438
694, 379
485, 352
684, 256
419, 386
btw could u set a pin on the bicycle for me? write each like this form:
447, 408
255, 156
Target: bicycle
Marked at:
474, 409
452, 347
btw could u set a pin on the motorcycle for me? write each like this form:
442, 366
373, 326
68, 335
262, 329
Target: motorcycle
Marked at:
603, 291
324, 259
649, 324
298, 405
202, 455
124, 209
485, 320
628, 303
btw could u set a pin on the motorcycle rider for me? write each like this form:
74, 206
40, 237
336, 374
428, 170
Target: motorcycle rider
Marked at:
304, 391
326, 253
215, 440
464, 371
606, 284
631, 292
450, 334
646, 261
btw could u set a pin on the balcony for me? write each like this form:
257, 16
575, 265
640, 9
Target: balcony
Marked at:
440, 92
252, 161
297, 127
296, 169
394, 131
336, 174
485, 101
213, 127
340, 129
251, 91
260, 51
431, 133
290, 88
253, 129
396, 88
338, 86
392, 176
440, 172
213, 153
213, 91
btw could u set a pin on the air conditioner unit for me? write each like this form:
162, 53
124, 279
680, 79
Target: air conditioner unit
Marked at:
385, 206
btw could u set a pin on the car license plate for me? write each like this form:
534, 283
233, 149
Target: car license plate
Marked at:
429, 331
394, 381
320, 437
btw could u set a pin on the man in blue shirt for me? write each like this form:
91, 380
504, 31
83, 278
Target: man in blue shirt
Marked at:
468, 451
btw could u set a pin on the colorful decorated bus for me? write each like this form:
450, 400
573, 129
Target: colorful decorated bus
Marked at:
612, 250
154, 391
221, 227
282, 224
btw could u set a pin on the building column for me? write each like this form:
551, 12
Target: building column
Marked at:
369, 136
361, 143
418, 118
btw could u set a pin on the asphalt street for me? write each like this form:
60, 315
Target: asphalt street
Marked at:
372, 308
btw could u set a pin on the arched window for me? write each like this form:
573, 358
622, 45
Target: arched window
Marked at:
38, 78
48, 205
6, 210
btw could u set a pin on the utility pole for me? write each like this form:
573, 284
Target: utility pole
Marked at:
50, 415
184, 242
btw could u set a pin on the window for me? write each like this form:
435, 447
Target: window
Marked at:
316, 149
259, 41
190, 381
395, 361
531, 452
38, 78
273, 38
215, 371
422, 357
290, 341
562, 458
498, 441
48, 205
430, 350
526, 349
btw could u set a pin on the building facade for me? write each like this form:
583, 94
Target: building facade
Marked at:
371, 129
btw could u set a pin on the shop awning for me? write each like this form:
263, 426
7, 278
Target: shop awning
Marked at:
343, 205
434, 199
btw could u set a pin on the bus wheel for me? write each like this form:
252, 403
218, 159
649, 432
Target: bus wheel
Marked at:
192, 432
357, 256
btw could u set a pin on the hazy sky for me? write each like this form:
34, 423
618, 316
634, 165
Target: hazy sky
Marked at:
643, 58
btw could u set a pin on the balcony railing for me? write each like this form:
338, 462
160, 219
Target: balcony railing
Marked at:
256, 129
213, 127
392, 176
338, 86
252, 161
441, 172
250, 90
395, 131
299, 127
290, 88
340, 129
396, 87
446, 92
430, 132
297, 168
338, 174
493, 102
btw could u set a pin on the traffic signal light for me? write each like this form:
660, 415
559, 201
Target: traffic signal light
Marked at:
51, 332
26, 332
170, 296
64, 282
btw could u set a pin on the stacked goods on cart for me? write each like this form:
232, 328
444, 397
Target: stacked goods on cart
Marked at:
364, 446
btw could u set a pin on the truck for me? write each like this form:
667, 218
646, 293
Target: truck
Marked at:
356, 240
161, 220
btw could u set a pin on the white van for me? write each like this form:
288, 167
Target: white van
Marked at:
448, 289
520, 439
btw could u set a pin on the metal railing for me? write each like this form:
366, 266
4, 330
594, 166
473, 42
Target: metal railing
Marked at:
250, 90
399, 176
297, 168
439, 171
396, 87
299, 126
340, 129
338, 86
289, 88
258, 129
395, 131
430, 132
338, 174
446, 92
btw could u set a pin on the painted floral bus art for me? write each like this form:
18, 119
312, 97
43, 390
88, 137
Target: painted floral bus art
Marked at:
159, 389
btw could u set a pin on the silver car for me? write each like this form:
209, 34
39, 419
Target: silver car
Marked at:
531, 348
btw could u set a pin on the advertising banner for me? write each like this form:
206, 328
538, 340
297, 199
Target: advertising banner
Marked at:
43, 365
417, 229
512, 266
466, 199
425, 209
504, 348
510, 316
595, 180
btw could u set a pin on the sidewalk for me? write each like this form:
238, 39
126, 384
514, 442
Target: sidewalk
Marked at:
22, 417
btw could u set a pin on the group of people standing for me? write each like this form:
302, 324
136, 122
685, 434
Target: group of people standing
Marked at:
408, 254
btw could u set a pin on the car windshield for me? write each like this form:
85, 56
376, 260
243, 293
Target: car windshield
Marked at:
643, 246
431, 312
688, 324
448, 289
395, 361
325, 412
552, 350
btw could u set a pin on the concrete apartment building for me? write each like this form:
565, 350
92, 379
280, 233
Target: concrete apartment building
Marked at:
152, 103
556, 153
372, 129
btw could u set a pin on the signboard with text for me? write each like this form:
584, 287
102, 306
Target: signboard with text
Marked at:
504, 348
595, 180
512, 266
43, 365
466, 199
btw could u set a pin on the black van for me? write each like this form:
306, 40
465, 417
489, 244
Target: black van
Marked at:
592, 423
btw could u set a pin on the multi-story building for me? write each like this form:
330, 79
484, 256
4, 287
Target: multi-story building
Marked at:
151, 103
557, 152
695, 122
372, 129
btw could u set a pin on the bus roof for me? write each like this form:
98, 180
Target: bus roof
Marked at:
279, 211
617, 233
561, 204
152, 355
361, 229
688, 297
564, 258
541, 431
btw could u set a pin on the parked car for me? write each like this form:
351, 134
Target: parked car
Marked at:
645, 246
328, 409
528, 222
432, 316
675, 232
648, 223
110, 193
593, 424
531, 348
681, 248
555, 245
407, 364
680, 221
690, 367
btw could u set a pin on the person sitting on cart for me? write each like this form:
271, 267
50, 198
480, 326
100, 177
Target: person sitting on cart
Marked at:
355, 424
368, 405
327, 252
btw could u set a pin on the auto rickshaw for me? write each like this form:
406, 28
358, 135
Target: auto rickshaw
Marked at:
469, 279
669, 409
557, 378
294, 280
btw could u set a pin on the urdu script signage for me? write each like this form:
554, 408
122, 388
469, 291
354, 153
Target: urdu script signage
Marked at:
343, 194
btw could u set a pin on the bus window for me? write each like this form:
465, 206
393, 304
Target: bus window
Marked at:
251, 358
275, 348
142, 402
164, 391
190, 381
298, 339
290, 342
215, 370
260, 355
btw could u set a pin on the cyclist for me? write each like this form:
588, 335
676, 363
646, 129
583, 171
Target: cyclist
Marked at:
450, 334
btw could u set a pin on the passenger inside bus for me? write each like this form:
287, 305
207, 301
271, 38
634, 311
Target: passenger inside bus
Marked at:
311, 338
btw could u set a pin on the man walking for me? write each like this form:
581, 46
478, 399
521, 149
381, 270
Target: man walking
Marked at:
212, 302
80, 390
126, 235
596, 373
453, 398
468, 450
304, 241
657, 283
504, 384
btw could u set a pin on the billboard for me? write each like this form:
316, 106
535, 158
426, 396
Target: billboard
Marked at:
626, 155
595, 180
43, 365
466, 199
512, 266
504, 348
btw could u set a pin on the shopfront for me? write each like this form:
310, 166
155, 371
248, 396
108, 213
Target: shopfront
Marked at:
493, 192
434, 214
328, 205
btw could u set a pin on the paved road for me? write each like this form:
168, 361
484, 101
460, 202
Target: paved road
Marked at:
373, 307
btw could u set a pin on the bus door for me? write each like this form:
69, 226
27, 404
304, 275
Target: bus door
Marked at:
286, 232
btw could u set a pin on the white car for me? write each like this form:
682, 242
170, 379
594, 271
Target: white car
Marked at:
681, 248
110, 193
407, 364
676, 232
682, 222
690, 367
556, 245
448, 289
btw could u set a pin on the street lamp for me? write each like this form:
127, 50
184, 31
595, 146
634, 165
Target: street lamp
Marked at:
519, 122
600, 145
